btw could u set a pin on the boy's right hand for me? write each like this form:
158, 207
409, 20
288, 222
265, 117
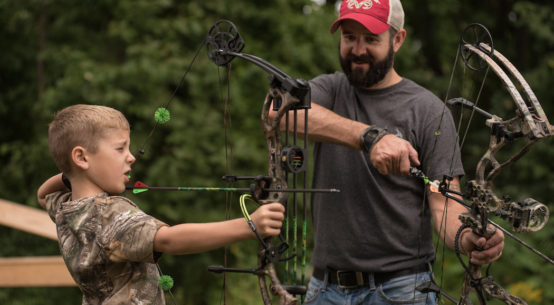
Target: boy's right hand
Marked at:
268, 219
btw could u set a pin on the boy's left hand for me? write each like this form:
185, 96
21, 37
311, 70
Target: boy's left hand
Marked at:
268, 219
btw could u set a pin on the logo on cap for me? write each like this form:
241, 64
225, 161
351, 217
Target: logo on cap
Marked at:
365, 5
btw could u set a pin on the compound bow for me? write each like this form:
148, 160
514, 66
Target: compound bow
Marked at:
530, 123
286, 94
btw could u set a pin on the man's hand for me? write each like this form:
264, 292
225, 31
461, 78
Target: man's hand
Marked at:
470, 243
268, 219
393, 155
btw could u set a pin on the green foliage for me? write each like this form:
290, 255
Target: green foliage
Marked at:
131, 55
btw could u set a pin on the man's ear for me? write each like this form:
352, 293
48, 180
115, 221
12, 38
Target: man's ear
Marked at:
79, 157
398, 39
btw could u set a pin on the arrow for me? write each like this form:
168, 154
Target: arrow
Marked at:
140, 187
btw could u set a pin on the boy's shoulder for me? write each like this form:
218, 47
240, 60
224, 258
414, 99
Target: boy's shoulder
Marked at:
97, 206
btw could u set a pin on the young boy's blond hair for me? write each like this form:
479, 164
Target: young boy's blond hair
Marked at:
81, 125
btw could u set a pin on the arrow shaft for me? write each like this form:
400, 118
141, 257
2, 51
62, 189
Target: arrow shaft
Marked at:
228, 189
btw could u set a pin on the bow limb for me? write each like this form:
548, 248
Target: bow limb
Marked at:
530, 121
483, 287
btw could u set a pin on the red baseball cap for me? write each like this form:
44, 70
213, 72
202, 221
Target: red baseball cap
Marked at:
376, 16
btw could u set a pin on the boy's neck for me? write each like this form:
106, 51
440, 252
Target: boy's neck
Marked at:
82, 187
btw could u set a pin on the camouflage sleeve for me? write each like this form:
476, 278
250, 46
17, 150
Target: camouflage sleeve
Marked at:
53, 202
128, 233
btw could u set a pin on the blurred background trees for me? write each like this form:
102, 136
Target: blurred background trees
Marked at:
131, 55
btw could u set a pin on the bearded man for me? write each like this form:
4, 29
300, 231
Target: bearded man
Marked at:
373, 240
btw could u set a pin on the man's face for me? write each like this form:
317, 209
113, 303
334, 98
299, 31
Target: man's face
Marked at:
365, 58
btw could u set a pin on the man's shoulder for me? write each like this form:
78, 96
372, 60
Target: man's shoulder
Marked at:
412, 85
336, 77
331, 84
419, 92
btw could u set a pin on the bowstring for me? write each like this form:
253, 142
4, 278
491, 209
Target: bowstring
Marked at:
141, 150
444, 216
425, 193
171, 98
228, 140
305, 206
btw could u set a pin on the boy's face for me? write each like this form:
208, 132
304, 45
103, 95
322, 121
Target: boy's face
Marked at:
112, 161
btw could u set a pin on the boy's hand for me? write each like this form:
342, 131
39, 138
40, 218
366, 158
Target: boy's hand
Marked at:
268, 219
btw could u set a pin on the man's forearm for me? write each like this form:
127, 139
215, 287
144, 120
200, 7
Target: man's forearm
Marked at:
327, 126
445, 214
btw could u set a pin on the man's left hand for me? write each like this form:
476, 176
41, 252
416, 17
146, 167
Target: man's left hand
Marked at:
481, 250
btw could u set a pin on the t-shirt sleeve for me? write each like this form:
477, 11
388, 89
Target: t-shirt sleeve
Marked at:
128, 233
441, 153
322, 90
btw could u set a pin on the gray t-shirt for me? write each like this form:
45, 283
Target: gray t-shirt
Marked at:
375, 223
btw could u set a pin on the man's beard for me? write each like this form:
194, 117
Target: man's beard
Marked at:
376, 73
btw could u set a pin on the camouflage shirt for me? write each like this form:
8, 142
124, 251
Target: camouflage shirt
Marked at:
107, 244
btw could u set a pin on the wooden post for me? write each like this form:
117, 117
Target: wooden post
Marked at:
27, 219
45, 271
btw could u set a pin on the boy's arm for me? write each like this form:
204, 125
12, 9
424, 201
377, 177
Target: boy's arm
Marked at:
191, 238
53, 184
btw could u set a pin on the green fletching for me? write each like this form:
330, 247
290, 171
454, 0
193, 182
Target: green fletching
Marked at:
166, 282
139, 190
162, 115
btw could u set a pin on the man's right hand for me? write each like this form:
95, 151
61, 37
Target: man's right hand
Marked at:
393, 155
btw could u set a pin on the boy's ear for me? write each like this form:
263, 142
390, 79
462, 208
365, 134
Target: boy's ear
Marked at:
79, 157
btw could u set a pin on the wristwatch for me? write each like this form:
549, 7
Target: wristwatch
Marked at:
370, 136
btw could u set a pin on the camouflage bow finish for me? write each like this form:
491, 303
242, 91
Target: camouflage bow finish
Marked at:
530, 124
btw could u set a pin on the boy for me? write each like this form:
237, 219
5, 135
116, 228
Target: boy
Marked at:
108, 244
